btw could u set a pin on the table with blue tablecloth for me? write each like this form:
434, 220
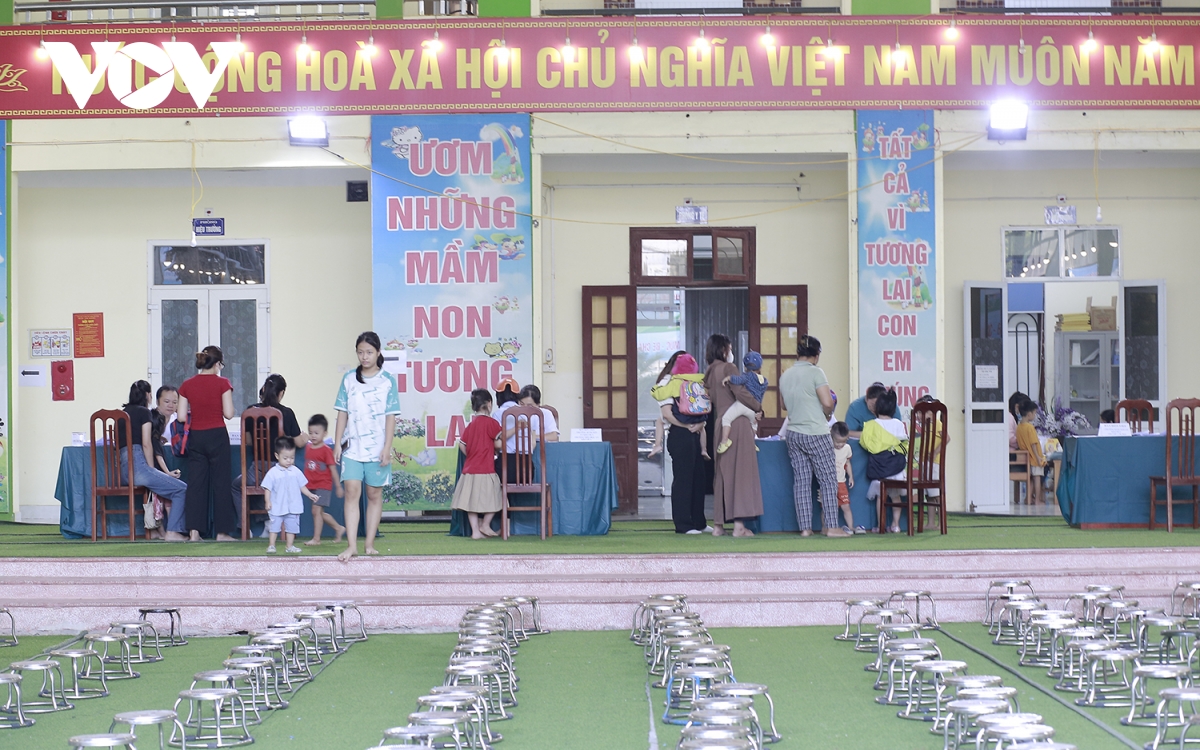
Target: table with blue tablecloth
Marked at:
779, 505
583, 486
1106, 481
74, 492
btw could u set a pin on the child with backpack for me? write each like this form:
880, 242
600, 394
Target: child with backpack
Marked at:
685, 407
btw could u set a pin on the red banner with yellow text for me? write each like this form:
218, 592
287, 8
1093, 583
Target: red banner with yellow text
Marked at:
597, 65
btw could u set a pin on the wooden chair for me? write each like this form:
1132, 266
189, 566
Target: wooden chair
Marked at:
926, 457
522, 482
258, 424
554, 413
1018, 473
106, 461
1134, 408
1181, 425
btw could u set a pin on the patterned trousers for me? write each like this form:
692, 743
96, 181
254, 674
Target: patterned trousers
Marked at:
813, 454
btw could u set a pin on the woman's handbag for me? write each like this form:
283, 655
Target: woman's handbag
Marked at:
885, 464
179, 438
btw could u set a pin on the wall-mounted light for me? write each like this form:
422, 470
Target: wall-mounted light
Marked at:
308, 130
1008, 121
433, 44
1089, 44
952, 30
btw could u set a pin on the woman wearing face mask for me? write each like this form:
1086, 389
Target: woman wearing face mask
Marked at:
737, 494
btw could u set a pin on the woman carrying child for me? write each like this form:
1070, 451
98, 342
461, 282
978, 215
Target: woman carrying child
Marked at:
478, 490
367, 405
737, 494
685, 443
885, 439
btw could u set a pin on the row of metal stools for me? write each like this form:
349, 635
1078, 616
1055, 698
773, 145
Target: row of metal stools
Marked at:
480, 685
717, 712
218, 708
964, 710
1105, 647
100, 657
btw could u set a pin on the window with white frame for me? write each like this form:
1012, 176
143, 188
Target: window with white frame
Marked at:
1072, 252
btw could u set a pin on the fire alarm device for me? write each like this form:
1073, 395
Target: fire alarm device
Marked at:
62, 380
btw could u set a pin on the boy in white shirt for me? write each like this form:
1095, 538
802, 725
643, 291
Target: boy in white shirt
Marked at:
845, 474
283, 485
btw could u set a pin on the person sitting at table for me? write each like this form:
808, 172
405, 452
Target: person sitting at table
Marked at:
862, 409
166, 402
1013, 417
507, 396
1028, 441
270, 395
141, 430
531, 395
1108, 416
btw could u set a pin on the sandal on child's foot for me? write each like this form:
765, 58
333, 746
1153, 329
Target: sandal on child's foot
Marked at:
724, 446
271, 550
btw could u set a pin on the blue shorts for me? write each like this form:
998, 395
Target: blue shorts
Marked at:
288, 523
371, 472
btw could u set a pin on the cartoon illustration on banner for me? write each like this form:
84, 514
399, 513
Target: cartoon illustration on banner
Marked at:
453, 281
896, 261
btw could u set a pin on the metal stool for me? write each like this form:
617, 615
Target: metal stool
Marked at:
486, 676
1171, 712
210, 730
1013, 619
458, 722
294, 655
1161, 645
459, 702
996, 720
306, 631
340, 609
901, 644
160, 719
875, 616
534, 625
1011, 734
751, 690
708, 706
721, 719
1041, 746
82, 661
1073, 677
480, 706
929, 676
644, 613
888, 632
174, 623
10, 638
716, 744
1009, 587
322, 620
229, 678
703, 733
994, 693
1108, 677
277, 654
960, 725
1118, 616
415, 735
1039, 647
905, 659
12, 711
1111, 591
687, 684
142, 635
101, 740
52, 696
1184, 597
914, 598
1142, 712
112, 666
261, 689
851, 606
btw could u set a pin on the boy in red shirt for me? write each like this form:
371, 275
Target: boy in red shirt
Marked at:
321, 472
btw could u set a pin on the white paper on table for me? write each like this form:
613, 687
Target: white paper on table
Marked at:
1120, 429
586, 435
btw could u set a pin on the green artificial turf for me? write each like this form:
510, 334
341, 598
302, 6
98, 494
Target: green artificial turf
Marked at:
967, 532
583, 691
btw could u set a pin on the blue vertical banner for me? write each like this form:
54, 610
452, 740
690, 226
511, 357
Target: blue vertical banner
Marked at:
452, 281
897, 324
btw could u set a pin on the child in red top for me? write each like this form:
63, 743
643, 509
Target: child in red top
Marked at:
321, 472
478, 488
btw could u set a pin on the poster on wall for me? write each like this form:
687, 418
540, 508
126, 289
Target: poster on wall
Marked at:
5, 462
453, 281
897, 327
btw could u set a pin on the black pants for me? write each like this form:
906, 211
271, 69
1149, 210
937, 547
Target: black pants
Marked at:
687, 480
208, 470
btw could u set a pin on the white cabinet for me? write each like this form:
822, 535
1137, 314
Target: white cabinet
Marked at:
1087, 371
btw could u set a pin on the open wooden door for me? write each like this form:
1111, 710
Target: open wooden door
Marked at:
610, 379
778, 317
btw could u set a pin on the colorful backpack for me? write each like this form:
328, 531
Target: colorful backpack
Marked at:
693, 404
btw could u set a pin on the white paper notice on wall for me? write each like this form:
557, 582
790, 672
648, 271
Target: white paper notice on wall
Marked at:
1120, 429
31, 376
586, 435
987, 376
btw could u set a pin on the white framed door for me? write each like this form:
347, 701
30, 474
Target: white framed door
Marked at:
985, 326
218, 295
1142, 323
